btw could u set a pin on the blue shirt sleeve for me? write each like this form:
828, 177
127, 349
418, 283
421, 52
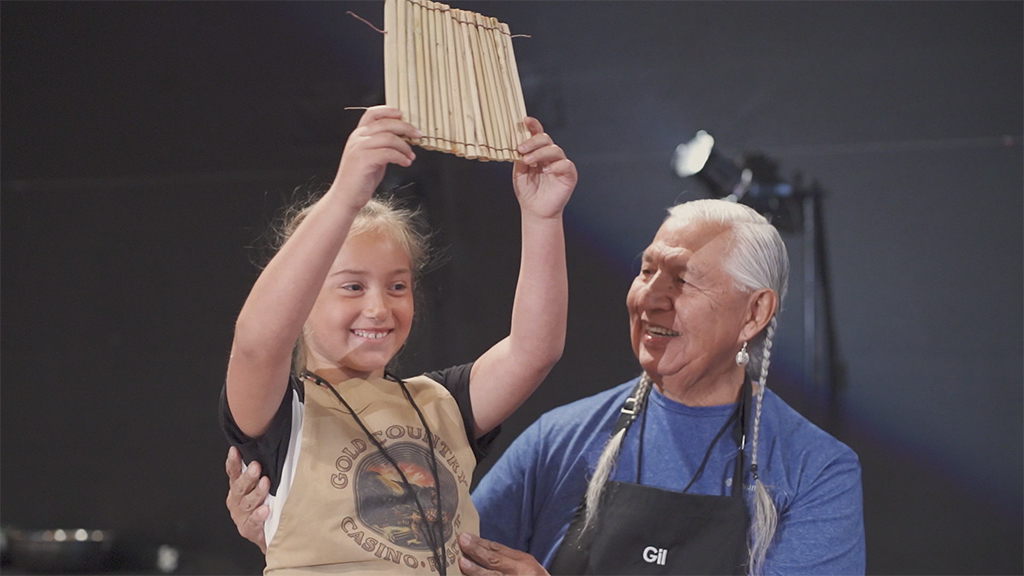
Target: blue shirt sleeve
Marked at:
821, 531
504, 498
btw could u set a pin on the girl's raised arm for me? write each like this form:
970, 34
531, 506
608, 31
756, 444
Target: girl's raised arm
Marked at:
504, 376
272, 318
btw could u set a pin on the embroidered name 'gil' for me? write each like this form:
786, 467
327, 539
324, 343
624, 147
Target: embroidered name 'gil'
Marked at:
654, 555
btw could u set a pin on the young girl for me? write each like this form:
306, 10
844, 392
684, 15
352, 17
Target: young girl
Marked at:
367, 472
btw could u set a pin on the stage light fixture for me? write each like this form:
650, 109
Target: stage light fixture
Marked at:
700, 159
753, 179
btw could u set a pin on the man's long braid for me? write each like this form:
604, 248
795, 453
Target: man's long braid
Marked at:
605, 465
762, 529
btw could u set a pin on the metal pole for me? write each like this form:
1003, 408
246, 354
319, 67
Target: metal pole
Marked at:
810, 300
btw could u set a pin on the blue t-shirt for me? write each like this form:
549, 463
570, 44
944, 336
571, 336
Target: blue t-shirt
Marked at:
528, 498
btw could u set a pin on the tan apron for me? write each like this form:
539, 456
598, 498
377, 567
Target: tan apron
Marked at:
347, 511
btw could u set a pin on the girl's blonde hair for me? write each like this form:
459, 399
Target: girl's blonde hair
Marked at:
383, 214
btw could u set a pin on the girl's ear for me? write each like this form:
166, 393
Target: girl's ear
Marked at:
761, 306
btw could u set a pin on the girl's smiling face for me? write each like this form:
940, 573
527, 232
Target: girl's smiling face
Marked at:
363, 314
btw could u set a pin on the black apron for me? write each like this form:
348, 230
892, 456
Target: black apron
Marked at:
645, 530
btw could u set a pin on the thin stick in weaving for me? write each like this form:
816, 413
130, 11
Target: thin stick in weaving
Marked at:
441, 55
423, 89
435, 124
490, 141
454, 87
423, 75
391, 88
501, 81
501, 120
471, 105
517, 88
408, 35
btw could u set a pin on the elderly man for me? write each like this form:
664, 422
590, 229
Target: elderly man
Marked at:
692, 468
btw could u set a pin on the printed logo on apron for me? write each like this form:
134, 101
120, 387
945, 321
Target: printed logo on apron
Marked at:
386, 519
381, 503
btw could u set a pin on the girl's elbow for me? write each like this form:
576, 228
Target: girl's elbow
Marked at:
246, 336
556, 355
545, 360
254, 341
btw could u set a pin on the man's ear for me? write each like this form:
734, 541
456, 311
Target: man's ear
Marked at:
761, 307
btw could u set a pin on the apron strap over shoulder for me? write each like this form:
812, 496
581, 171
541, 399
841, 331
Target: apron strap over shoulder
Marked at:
633, 405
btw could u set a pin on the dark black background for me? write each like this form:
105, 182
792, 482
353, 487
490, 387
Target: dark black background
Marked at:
146, 147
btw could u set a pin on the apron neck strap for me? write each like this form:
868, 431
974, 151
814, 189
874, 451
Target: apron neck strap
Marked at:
636, 402
740, 434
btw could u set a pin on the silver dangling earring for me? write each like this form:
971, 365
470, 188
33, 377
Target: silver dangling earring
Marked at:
742, 357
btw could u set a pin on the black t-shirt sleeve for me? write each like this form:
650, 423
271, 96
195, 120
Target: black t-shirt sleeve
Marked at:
270, 448
456, 381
